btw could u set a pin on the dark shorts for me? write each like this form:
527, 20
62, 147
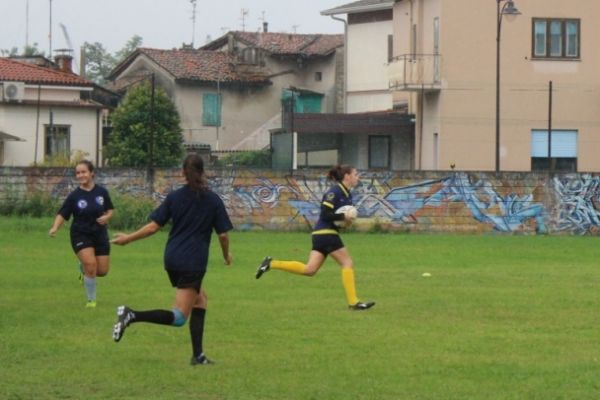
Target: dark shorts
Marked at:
326, 244
186, 279
98, 240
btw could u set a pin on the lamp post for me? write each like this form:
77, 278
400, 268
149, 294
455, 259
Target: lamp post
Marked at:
508, 8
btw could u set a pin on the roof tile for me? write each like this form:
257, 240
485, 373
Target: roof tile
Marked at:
201, 65
285, 43
11, 70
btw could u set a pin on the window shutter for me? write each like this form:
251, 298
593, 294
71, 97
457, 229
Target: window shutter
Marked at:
211, 109
539, 143
564, 144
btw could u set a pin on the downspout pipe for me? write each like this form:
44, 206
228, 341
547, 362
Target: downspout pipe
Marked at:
345, 94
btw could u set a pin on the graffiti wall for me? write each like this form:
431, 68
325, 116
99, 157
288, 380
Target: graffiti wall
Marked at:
454, 202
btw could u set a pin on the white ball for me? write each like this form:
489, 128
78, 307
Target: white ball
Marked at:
350, 212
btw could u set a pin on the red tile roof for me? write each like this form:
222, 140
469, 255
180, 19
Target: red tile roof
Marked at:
11, 70
284, 43
197, 65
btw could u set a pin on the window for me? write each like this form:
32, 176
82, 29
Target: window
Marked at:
250, 55
379, 152
556, 38
318, 76
390, 48
563, 155
58, 140
317, 158
436, 151
436, 49
211, 109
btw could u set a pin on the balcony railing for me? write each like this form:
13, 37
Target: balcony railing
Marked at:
413, 72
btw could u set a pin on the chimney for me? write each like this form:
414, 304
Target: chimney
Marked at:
230, 43
265, 26
65, 63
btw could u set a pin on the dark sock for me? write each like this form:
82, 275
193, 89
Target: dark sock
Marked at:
197, 330
162, 317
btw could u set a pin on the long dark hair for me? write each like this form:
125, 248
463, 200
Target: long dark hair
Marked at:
338, 172
193, 169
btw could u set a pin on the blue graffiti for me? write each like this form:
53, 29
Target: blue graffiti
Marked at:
579, 205
400, 204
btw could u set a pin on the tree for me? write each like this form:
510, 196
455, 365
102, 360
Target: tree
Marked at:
98, 62
30, 50
131, 45
134, 130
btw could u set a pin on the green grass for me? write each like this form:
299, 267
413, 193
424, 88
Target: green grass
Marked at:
501, 317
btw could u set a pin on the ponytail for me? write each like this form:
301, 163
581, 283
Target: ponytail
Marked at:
338, 172
193, 169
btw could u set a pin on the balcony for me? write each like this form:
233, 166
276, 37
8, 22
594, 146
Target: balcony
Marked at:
415, 72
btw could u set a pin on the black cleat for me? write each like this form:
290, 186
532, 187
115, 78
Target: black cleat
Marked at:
362, 306
265, 265
124, 317
201, 360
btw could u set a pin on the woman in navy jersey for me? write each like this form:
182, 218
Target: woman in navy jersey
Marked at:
326, 239
91, 208
195, 212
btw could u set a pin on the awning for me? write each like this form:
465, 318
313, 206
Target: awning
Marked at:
5, 137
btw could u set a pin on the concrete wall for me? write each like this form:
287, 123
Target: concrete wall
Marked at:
453, 202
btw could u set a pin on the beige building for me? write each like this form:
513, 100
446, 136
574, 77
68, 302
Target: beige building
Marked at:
369, 32
445, 58
374, 133
47, 113
229, 92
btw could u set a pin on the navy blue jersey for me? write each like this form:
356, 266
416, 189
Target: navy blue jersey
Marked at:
195, 216
336, 197
86, 207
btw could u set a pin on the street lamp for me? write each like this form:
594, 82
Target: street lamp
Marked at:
508, 8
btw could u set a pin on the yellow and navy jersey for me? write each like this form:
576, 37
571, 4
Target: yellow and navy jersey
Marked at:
336, 197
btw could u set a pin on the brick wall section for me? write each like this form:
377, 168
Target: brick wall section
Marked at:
452, 202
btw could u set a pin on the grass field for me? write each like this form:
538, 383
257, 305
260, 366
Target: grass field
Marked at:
501, 317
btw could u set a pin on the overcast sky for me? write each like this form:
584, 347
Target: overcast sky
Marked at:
162, 24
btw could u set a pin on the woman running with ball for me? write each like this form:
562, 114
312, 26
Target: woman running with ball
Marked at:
91, 208
326, 238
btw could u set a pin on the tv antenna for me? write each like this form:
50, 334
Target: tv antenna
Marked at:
193, 21
245, 13
27, 24
50, 32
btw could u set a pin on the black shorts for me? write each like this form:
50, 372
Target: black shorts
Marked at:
186, 279
98, 240
326, 244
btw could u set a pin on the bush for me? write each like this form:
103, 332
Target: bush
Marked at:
62, 160
35, 204
131, 212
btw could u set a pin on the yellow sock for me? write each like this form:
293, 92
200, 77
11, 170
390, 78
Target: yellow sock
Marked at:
294, 267
349, 287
